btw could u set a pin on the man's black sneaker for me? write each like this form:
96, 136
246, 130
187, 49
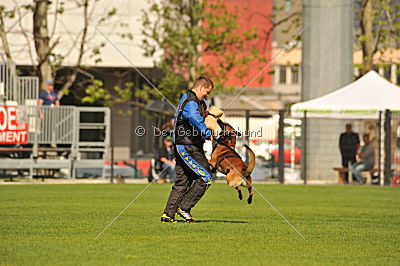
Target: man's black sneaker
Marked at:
166, 219
185, 215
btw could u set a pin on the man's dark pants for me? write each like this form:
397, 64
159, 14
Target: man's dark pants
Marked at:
346, 159
189, 187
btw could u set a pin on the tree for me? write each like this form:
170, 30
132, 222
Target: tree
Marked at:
184, 32
377, 28
283, 20
45, 61
181, 33
109, 97
5, 14
42, 42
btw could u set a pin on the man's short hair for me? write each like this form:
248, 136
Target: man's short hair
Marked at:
203, 82
366, 135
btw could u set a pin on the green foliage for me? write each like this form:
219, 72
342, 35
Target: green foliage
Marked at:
385, 19
57, 225
108, 15
7, 13
96, 93
61, 9
182, 32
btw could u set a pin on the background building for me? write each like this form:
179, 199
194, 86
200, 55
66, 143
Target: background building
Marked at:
122, 29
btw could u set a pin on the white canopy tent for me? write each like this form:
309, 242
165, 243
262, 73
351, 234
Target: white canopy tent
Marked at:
365, 98
361, 99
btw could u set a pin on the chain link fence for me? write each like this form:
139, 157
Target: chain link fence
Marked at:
275, 140
322, 159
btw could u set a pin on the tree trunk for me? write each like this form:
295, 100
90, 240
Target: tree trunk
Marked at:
3, 36
41, 38
368, 43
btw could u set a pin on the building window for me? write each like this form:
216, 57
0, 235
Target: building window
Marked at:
282, 74
295, 74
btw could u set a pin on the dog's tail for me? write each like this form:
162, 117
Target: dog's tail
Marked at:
252, 163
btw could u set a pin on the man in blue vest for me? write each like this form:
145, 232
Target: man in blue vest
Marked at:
193, 175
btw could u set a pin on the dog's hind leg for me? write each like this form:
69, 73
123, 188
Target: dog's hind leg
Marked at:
250, 189
239, 192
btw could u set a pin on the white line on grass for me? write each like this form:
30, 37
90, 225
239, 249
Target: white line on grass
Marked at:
137, 69
262, 70
266, 200
133, 201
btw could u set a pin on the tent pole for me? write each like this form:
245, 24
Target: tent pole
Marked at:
387, 148
381, 158
281, 143
304, 148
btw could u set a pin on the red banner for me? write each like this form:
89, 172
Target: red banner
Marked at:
11, 130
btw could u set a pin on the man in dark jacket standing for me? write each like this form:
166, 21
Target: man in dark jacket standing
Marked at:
349, 143
193, 175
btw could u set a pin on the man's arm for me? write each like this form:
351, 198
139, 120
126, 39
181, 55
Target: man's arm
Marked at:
358, 142
192, 113
163, 156
40, 104
165, 160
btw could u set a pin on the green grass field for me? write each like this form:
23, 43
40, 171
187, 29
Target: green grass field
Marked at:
57, 224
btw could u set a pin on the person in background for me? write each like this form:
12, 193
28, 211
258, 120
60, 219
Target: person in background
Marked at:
166, 157
367, 159
349, 143
48, 96
168, 127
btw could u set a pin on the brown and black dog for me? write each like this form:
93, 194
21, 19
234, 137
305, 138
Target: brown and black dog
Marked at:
225, 159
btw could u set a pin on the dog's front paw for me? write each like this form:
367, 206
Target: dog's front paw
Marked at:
250, 199
240, 195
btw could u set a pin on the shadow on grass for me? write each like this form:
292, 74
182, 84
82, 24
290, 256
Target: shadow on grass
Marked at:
216, 221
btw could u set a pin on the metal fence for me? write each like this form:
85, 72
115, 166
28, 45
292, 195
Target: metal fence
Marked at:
49, 125
27, 92
8, 80
57, 125
60, 137
322, 159
259, 131
274, 140
17, 90
57, 137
